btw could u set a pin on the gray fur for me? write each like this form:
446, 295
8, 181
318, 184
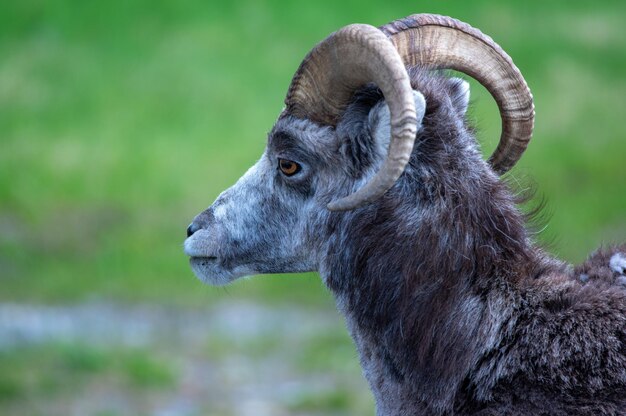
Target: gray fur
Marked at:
452, 307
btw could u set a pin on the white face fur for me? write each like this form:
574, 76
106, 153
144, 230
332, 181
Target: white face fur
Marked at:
239, 237
269, 222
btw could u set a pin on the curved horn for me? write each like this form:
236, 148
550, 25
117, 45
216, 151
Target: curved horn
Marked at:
326, 80
444, 43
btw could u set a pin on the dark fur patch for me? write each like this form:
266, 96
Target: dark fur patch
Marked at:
356, 145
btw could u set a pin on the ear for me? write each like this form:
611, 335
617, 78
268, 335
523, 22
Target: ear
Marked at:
460, 94
379, 120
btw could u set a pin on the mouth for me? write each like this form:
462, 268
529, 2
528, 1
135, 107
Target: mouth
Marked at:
203, 258
207, 266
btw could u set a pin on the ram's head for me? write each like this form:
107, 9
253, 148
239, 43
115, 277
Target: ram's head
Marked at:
345, 137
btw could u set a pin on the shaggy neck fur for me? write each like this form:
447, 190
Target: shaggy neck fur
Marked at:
423, 322
423, 325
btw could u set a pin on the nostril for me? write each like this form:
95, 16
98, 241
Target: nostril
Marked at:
201, 221
192, 229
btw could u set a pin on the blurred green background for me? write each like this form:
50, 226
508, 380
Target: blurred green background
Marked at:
120, 121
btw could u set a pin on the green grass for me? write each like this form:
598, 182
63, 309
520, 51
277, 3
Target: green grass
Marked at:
331, 350
56, 371
328, 402
120, 121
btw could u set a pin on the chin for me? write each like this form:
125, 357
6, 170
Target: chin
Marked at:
209, 271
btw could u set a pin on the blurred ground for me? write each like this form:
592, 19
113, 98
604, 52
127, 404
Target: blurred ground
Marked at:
229, 359
119, 121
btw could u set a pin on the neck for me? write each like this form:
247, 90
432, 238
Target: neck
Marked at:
426, 296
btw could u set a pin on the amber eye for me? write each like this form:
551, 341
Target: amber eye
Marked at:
288, 167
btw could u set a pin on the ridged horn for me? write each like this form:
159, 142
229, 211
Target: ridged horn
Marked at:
326, 81
441, 42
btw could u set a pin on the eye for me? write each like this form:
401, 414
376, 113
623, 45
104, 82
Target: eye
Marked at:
288, 167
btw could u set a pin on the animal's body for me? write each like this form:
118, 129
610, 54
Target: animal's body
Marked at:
452, 306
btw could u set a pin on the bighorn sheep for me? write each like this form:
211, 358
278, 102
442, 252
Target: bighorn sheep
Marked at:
453, 308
